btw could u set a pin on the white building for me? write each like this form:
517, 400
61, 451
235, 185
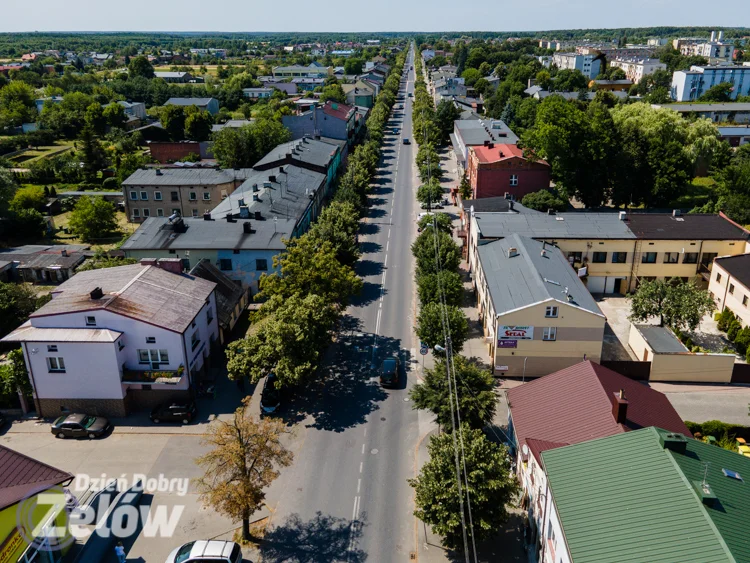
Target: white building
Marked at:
715, 50
119, 339
689, 85
573, 61
636, 69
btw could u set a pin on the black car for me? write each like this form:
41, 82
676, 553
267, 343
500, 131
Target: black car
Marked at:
80, 426
174, 411
389, 372
270, 397
407, 142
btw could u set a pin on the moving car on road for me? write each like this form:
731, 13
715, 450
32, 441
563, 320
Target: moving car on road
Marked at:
207, 551
389, 372
174, 411
80, 426
407, 141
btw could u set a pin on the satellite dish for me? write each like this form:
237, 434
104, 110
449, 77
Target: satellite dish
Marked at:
525, 449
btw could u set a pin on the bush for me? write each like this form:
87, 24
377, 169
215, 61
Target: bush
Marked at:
742, 341
725, 318
544, 200
110, 184
734, 328
688, 343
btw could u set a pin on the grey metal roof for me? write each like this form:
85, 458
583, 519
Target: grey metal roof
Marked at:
728, 106
199, 102
286, 196
28, 333
529, 277
661, 339
146, 293
476, 132
235, 123
168, 74
156, 233
40, 256
312, 151
573, 225
185, 176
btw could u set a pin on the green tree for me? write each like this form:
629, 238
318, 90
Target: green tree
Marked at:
464, 188
93, 218
491, 487
114, 115
26, 224
8, 189
353, 66
334, 93
198, 126
450, 287
140, 66
449, 255
721, 92
473, 385
17, 104
268, 134
430, 192
30, 197
544, 200
17, 302
172, 118
14, 376
430, 325
470, 76
570, 80
243, 457
235, 147
678, 305
91, 155
445, 114
95, 119
444, 222
102, 259
310, 267
338, 225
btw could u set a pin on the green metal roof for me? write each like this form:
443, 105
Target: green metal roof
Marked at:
625, 498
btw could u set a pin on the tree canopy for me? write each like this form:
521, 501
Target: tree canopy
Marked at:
677, 304
93, 218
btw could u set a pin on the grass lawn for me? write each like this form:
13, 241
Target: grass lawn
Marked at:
697, 193
32, 155
60, 188
126, 229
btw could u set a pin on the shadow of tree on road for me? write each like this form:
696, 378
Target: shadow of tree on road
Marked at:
370, 292
368, 228
325, 538
370, 247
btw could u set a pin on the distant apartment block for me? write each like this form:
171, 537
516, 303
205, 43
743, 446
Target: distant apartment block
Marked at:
636, 69
584, 63
689, 85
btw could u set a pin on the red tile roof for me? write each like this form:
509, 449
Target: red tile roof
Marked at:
575, 405
21, 476
536, 447
339, 111
499, 152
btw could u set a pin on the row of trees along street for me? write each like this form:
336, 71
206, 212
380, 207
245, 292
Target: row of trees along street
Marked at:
455, 383
290, 332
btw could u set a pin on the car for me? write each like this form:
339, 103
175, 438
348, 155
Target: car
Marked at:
436, 205
411, 95
389, 372
407, 141
174, 411
207, 551
395, 131
80, 426
270, 396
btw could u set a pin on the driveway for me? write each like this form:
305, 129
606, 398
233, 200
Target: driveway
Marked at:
617, 329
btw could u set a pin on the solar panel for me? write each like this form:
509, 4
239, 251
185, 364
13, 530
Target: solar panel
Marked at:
732, 474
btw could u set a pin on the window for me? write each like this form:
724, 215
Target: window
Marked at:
195, 212
744, 300
599, 257
157, 196
513, 180
551, 312
136, 213
52, 348
225, 264
718, 277
90, 321
671, 257
133, 195
151, 340
194, 341
206, 196
147, 212
152, 355
209, 315
619, 257
120, 344
549, 333
193, 196
648, 258
175, 196
160, 212
144, 196
574, 257
690, 258
731, 288
261, 264
56, 365
164, 356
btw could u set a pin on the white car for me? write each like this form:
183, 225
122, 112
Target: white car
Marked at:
207, 551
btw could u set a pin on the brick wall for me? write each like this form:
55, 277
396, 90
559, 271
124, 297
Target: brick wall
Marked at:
494, 180
52, 408
172, 152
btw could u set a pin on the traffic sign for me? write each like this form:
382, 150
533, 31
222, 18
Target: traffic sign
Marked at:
423, 350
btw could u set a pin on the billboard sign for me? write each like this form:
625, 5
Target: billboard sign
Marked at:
515, 333
507, 343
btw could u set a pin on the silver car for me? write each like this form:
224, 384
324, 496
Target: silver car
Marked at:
207, 551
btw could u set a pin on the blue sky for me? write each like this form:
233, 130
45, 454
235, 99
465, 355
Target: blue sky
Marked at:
374, 15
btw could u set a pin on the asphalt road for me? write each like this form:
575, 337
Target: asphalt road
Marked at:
346, 497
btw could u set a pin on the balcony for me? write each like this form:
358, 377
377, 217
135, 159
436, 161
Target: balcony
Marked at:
153, 376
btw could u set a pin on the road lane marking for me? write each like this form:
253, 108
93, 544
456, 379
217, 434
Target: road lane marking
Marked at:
363, 449
387, 244
377, 323
360, 466
359, 483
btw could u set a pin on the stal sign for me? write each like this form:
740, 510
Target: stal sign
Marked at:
515, 333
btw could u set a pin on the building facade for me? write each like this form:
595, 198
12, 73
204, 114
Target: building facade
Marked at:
636, 69
502, 170
689, 85
584, 63
332, 119
730, 285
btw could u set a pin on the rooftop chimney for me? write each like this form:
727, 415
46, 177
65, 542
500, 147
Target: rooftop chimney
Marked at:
281, 169
486, 143
97, 293
512, 251
550, 211
620, 407
229, 218
247, 227
272, 179
258, 216
157, 172
244, 212
255, 197
492, 146
676, 213
64, 253
207, 216
173, 265
623, 216
255, 188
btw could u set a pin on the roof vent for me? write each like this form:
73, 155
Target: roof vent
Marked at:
229, 218
550, 211
207, 216
673, 441
676, 213
244, 212
281, 169
272, 179
247, 227
255, 188
558, 218
623, 216
512, 251
157, 172
705, 492
97, 293
258, 216
492, 146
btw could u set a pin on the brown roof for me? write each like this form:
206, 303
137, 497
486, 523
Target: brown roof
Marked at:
693, 226
339, 111
575, 405
736, 266
22, 476
146, 293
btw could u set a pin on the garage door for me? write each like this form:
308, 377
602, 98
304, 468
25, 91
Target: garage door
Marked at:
595, 284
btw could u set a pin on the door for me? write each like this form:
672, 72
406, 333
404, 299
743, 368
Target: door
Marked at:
611, 285
595, 284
